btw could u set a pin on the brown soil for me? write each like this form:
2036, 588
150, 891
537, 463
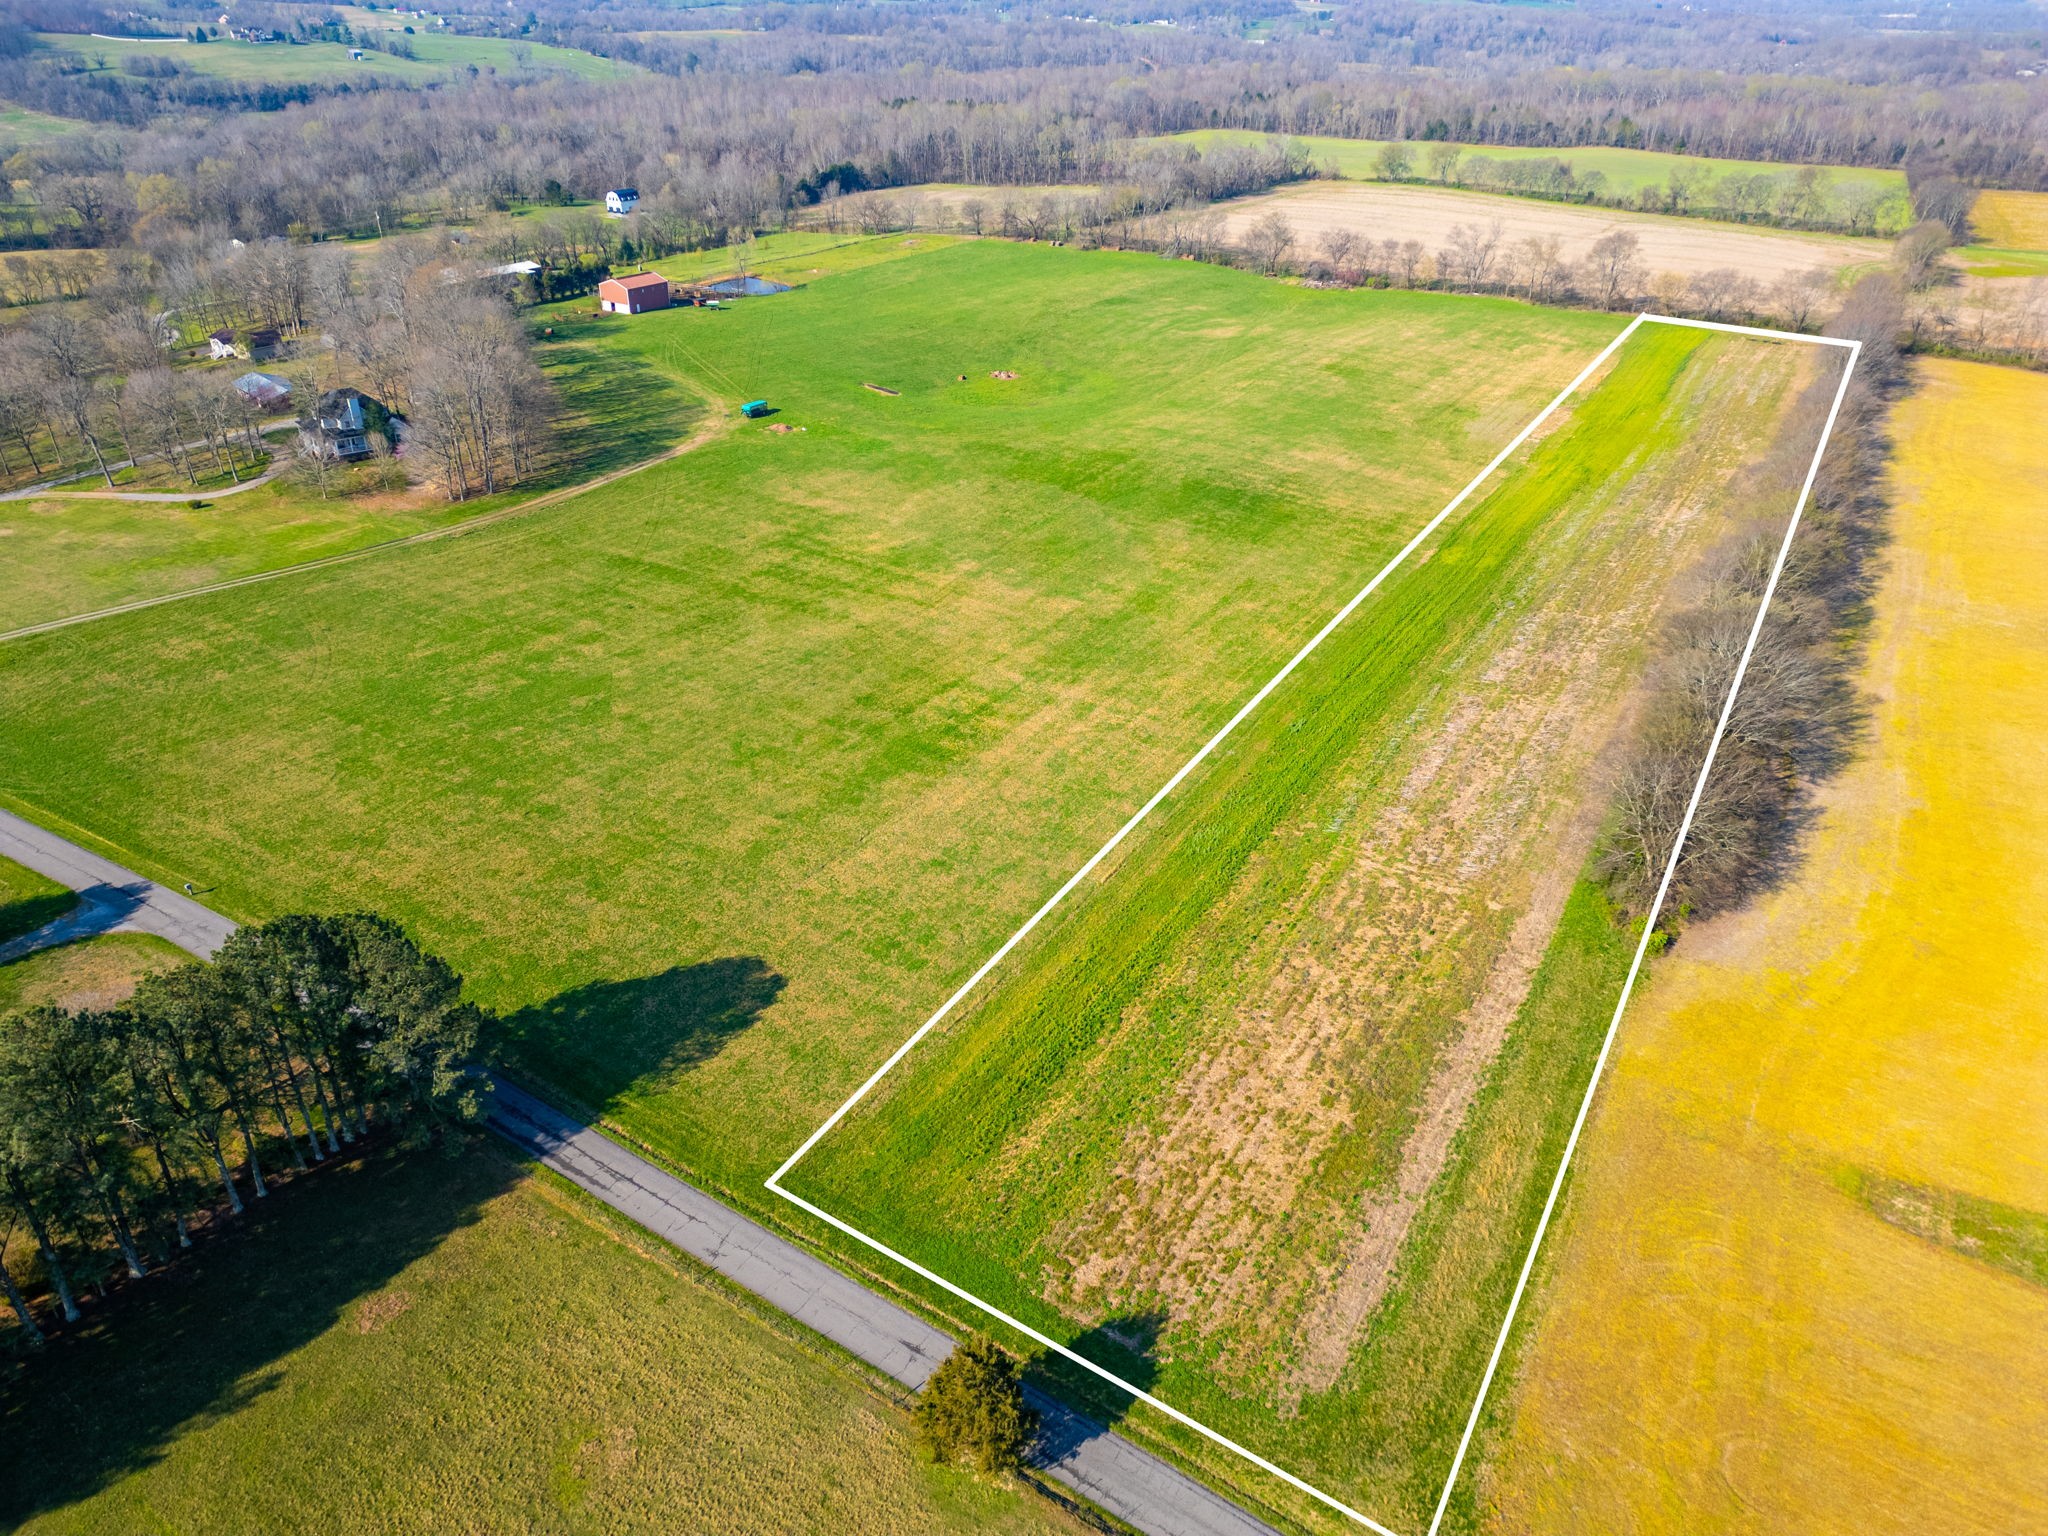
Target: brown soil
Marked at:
1685, 246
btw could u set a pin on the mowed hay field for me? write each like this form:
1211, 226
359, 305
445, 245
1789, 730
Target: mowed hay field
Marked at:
713, 777
1802, 1279
443, 1344
1261, 1120
1684, 246
2011, 220
328, 63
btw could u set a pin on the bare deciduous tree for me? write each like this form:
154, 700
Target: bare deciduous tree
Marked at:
1269, 240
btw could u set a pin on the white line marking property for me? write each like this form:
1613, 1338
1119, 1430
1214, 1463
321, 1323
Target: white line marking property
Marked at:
774, 1181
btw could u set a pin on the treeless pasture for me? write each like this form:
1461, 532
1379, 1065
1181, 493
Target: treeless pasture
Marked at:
1687, 247
1799, 1284
2014, 220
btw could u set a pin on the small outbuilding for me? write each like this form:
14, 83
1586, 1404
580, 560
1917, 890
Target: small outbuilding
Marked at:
633, 295
754, 408
621, 201
265, 391
262, 344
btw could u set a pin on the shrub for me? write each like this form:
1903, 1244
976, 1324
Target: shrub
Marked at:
973, 1409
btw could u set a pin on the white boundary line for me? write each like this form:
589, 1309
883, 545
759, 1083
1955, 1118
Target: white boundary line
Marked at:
774, 1180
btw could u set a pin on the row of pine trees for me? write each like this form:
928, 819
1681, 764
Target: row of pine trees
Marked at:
305, 1036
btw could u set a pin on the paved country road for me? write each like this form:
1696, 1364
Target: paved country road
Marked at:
1115, 1475
110, 899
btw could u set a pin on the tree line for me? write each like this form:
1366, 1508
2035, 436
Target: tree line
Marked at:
122, 1129
1798, 712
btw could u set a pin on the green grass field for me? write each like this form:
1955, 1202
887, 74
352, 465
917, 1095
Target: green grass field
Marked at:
1096, 1148
812, 715
1994, 261
450, 1344
24, 126
1627, 171
326, 63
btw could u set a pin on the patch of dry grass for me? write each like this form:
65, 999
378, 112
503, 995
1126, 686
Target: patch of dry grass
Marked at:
88, 973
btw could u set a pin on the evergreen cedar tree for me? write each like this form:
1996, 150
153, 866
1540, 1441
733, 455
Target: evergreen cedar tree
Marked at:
973, 1409
306, 1034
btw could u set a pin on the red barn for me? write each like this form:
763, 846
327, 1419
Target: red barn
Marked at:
631, 295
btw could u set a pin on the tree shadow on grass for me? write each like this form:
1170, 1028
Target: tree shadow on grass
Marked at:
207, 1337
29, 913
605, 1037
619, 409
1128, 1346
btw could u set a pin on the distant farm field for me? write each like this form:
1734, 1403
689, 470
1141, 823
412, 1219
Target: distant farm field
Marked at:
451, 1344
327, 63
2016, 221
1802, 1279
24, 125
1687, 247
1262, 1120
1622, 172
713, 776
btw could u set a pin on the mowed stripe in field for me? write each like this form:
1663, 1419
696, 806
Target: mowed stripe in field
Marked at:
1256, 1121
1803, 1277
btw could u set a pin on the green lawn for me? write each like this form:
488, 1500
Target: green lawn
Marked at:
448, 1344
27, 900
1067, 1149
327, 63
1626, 171
73, 554
1993, 261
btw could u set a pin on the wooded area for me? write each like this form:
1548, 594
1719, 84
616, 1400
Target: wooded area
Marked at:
121, 1128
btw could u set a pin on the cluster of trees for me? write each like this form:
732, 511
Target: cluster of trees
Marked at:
451, 357
93, 385
99, 389
973, 1409
1797, 713
306, 1036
